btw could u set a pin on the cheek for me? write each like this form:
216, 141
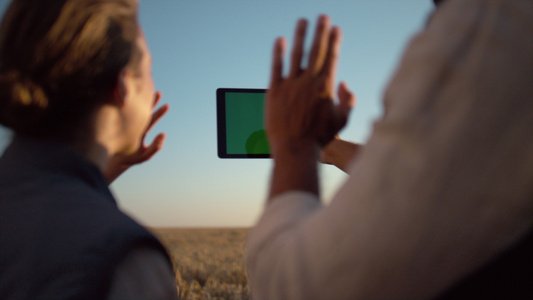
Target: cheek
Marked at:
143, 104
149, 91
148, 98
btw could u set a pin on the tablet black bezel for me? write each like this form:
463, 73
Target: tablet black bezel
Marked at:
221, 122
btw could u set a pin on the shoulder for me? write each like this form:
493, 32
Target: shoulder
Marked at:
143, 273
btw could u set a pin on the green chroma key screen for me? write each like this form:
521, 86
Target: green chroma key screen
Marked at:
240, 122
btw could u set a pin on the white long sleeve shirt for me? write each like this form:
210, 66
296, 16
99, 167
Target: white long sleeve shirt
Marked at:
444, 183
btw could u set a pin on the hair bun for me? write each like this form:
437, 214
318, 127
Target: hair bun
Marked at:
21, 91
22, 102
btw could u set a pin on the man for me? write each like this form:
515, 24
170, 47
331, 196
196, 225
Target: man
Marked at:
439, 202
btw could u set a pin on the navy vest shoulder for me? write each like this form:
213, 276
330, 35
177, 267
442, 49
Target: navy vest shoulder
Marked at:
61, 232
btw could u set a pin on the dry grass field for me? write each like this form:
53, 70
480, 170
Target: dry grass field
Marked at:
209, 263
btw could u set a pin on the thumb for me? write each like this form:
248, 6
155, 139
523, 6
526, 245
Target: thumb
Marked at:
347, 99
344, 107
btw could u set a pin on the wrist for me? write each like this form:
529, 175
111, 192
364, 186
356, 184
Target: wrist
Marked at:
295, 168
291, 149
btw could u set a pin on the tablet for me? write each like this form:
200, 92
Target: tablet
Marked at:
240, 123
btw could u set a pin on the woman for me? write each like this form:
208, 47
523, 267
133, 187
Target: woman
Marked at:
76, 89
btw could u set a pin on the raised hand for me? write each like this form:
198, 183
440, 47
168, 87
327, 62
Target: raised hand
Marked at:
119, 163
300, 109
301, 115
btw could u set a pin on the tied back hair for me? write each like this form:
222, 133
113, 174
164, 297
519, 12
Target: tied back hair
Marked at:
59, 60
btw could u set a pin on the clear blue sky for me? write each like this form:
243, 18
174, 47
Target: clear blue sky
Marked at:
199, 46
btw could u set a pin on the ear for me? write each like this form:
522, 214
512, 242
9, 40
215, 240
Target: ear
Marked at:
119, 90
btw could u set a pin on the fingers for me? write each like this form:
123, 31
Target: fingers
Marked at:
331, 60
324, 51
157, 115
146, 152
154, 147
298, 48
277, 61
347, 100
157, 98
343, 108
320, 42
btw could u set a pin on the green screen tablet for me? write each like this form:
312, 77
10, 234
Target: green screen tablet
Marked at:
240, 123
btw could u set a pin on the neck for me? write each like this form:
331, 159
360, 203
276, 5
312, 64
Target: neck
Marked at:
94, 152
90, 145
101, 138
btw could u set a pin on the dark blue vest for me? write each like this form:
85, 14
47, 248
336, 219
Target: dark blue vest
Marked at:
61, 233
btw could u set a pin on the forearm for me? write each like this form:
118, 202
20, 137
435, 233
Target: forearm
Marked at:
340, 153
295, 168
269, 267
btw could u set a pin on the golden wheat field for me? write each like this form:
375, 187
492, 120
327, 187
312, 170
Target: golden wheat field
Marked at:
209, 263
